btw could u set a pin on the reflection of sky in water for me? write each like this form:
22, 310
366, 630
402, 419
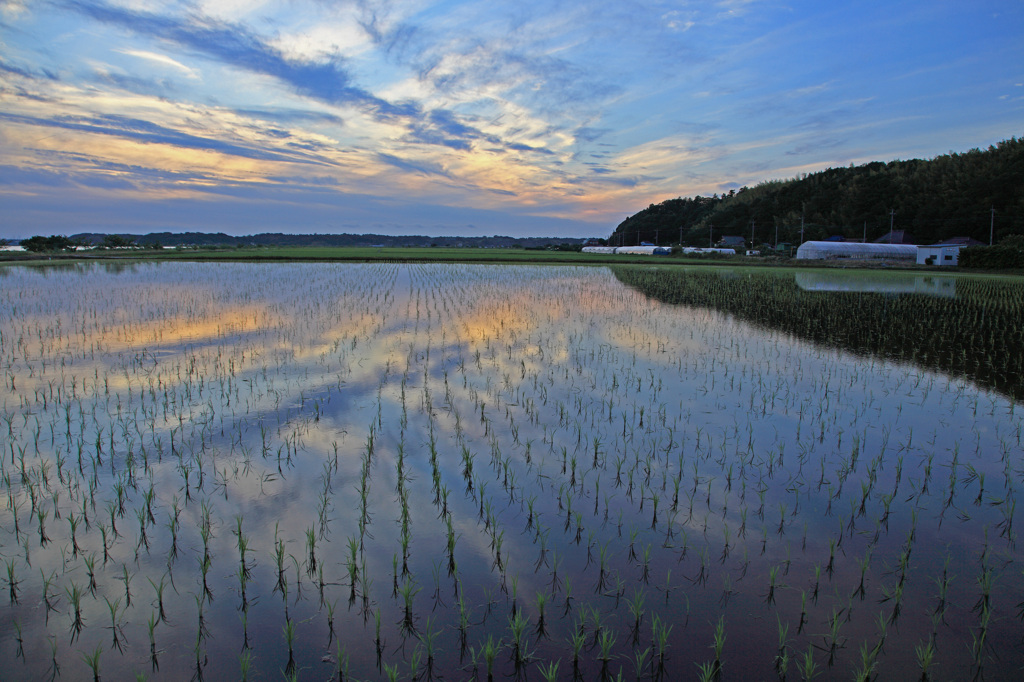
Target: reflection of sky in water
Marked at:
876, 282
247, 392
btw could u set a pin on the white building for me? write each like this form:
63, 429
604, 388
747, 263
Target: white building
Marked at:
938, 255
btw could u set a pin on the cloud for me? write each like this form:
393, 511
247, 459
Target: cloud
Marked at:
326, 79
162, 59
419, 167
157, 87
235, 45
149, 132
26, 72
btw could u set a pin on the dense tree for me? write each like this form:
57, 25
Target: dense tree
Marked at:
661, 223
116, 241
950, 195
40, 244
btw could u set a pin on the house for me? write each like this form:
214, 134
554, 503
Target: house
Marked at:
732, 242
896, 237
959, 241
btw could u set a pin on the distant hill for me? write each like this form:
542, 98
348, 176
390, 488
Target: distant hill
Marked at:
948, 196
210, 239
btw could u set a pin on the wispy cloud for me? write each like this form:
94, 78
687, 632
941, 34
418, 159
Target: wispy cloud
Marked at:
153, 133
163, 60
238, 46
413, 166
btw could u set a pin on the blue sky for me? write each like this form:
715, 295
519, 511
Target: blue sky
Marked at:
541, 118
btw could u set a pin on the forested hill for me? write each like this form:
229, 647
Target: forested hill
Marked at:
948, 196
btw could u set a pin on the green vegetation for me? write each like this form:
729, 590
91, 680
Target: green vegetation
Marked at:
52, 243
949, 196
1007, 255
932, 331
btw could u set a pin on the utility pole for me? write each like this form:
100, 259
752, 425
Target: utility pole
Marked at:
864, 239
680, 235
802, 212
776, 236
751, 234
711, 235
991, 225
892, 213
656, 242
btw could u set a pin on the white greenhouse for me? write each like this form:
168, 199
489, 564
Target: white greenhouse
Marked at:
636, 250
856, 250
720, 250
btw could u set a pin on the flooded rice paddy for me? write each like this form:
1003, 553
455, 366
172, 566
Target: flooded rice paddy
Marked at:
337, 471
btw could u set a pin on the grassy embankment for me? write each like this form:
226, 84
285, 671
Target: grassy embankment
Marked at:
453, 255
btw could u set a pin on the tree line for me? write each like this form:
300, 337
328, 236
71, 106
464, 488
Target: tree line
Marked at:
157, 240
964, 194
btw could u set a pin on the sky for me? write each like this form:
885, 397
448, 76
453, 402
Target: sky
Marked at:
506, 117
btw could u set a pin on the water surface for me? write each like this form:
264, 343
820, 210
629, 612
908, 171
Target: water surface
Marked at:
390, 465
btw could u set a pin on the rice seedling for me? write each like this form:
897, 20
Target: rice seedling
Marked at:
408, 592
153, 652
718, 645
518, 624
245, 663
117, 633
636, 610
54, 669
549, 671
13, 582
74, 594
93, 661
289, 635
808, 667
541, 628
490, 653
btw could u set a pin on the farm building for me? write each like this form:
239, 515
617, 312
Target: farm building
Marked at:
896, 237
945, 252
856, 251
732, 242
938, 255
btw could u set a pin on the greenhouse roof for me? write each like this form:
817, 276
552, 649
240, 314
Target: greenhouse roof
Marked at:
823, 250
